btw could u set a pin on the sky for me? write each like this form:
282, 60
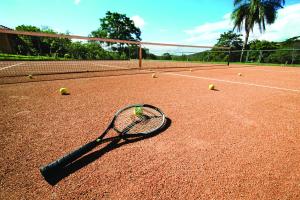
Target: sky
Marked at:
197, 22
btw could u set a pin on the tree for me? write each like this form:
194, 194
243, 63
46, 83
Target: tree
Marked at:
77, 50
260, 50
166, 56
247, 13
34, 45
54, 46
118, 26
230, 39
227, 39
262, 45
28, 44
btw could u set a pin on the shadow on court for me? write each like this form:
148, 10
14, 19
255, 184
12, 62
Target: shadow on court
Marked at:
55, 176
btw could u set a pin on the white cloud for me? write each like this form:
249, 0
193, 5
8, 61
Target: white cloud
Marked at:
76, 2
286, 26
159, 50
227, 16
138, 21
208, 33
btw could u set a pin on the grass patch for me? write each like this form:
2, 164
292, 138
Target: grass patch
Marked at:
14, 57
267, 64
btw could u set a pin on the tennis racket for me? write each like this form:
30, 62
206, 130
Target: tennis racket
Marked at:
133, 120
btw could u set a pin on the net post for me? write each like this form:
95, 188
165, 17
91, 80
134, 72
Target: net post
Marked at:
229, 54
140, 56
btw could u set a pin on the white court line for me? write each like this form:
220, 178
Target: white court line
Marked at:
118, 67
266, 70
11, 66
234, 82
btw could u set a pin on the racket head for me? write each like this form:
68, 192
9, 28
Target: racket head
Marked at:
138, 119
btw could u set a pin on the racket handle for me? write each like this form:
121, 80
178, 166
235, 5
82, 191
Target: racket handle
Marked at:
67, 159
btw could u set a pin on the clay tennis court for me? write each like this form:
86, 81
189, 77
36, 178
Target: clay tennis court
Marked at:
240, 141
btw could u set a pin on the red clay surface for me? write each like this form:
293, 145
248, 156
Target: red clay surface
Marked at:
241, 141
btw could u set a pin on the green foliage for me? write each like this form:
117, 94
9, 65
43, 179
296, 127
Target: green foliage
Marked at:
99, 33
133, 51
247, 13
262, 45
27, 58
46, 46
272, 52
278, 57
147, 55
166, 56
256, 53
293, 42
65, 48
227, 39
230, 39
118, 26
28, 45
67, 55
259, 52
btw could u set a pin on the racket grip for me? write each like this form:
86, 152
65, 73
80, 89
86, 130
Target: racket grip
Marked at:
67, 159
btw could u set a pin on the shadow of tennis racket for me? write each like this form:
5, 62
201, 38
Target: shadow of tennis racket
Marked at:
113, 143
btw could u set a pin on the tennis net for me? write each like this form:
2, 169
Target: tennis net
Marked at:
169, 56
34, 56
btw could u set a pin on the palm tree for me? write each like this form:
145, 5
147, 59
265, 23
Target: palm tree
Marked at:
247, 13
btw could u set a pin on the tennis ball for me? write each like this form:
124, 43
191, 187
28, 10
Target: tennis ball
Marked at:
191, 70
211, 87
154, 75
138, 111
30, 76
240, 74
63, 91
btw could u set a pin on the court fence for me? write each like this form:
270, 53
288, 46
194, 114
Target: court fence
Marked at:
286, 57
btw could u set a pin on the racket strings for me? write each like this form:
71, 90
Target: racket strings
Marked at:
130, 123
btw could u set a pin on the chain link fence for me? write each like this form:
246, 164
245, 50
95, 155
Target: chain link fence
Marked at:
273, 56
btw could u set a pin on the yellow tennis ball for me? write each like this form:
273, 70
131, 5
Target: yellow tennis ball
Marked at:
240, 74
138, 111
63, 91
30, 76
154, 75
191, 70
211, 87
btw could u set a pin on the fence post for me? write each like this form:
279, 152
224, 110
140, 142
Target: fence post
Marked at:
293, 56
247, 57
208, 57
260, 56
140, 56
